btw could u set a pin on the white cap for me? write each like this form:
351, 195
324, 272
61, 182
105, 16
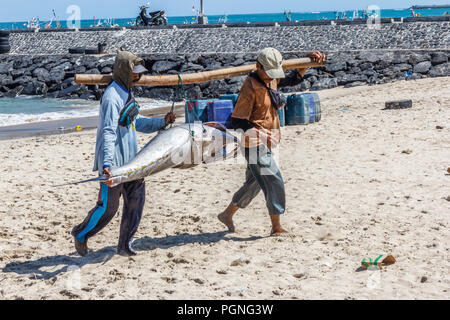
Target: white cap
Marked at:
272, 62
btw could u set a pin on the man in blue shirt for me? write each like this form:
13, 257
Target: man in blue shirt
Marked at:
116, 145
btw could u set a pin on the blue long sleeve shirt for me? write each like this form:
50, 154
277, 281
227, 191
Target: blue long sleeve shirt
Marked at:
117, 145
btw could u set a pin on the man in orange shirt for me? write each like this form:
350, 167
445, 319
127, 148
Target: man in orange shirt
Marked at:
256, 114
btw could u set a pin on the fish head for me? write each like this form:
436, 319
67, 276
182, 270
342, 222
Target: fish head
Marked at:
213, 142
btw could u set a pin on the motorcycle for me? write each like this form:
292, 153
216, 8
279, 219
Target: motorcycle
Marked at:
155, 18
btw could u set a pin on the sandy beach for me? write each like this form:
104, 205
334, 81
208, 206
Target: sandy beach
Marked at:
360, 183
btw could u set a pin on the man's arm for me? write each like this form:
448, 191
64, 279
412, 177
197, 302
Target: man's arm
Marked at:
296, 77
149, 125
292, 79
108, 131
242, 124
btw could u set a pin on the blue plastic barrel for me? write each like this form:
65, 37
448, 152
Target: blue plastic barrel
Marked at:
196, 110
232, 97
303, 109
281, 116
220, 111
297, 112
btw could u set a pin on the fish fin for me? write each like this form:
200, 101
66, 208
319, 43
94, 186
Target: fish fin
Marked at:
101, 178
216, 125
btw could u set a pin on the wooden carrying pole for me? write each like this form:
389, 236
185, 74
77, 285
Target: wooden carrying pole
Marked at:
190, 78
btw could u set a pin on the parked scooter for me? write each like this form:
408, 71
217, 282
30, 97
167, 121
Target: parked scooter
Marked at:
155, 18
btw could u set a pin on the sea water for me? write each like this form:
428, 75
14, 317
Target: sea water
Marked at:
250, 18
25, 109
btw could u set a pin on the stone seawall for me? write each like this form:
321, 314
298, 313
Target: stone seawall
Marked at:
426, 34
52, 76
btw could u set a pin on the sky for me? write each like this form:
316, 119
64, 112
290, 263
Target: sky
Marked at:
24, 10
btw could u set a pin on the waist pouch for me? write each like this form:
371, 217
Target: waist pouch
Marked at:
129, 113
278, 99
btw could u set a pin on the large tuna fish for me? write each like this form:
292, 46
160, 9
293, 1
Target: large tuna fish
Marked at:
182, 146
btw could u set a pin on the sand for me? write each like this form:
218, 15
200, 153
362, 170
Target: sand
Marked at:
360, 183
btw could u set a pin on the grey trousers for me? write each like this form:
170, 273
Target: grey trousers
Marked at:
262, 174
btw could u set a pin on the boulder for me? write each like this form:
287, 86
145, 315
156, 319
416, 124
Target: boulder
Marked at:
93, 71
14, 92
23, 63
41, 74
194, 93
416, 58
80, 69
88, 96
56, 76
348, 78
400, 58
440, 70
16, 73
52, 95
75, 89
5, 80
354, 70
104, 64
366, 66
333, 67
438, 58
107, 70
22, 81
402, 67
6, 68
35, 88
422, 67
305, 85
164, 66
160, 93
325, 83
64, 67
372, 57
191, 67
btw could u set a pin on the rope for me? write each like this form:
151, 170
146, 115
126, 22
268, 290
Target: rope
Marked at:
183, 92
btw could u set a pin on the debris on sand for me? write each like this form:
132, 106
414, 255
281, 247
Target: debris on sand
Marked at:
407, 151
377, 263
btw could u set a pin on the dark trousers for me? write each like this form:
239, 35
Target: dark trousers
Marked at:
107, 205
262, 174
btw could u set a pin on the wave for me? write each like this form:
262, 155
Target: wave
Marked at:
74, 111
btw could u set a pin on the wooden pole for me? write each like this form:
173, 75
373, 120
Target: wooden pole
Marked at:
191, 78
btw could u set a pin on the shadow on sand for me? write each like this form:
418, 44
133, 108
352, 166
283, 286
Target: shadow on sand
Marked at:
63, 263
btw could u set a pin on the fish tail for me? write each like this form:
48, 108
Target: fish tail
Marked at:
101, 178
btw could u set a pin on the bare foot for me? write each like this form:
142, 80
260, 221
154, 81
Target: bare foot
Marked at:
227, 220
277, 232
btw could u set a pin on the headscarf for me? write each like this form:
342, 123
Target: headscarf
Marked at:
123, 68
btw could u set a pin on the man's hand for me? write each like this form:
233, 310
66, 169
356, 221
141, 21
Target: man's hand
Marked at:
316, 56
107, 171
170, 118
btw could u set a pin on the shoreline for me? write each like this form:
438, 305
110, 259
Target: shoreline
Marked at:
63, 126
53, 127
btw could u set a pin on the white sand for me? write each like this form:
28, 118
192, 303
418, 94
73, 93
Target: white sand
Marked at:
351, 193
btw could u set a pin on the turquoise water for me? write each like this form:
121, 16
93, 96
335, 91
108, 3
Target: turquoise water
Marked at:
265, 17
38, 105
24, 109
